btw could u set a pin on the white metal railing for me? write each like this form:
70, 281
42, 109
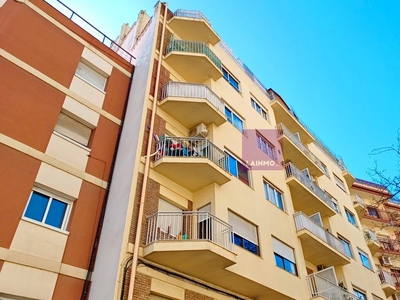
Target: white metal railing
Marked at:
189, 225
369, 235
187, 148
192, 14
283, 130
192, 90
319, 286
358, 200
385, 277
302, 221
291, 170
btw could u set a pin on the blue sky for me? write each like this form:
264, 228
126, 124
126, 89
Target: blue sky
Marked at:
337, 63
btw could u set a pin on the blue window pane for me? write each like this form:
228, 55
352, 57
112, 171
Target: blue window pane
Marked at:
250, 246
290, 267
225, 74
234, 83
238, 240
228, 115
279, 201
232, 166
279, 261
37, 206
237, 123
56, 213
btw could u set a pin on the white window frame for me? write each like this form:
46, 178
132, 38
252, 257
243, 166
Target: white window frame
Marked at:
348, 212
239, 161
274, 199
340, 183
244, 229
84, 71
259, 108
325, 170
233, 113
346, 241
71, 133
51, 196
230, 76
360, 252
266, 146
285, 252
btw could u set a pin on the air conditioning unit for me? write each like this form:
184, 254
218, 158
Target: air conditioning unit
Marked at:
386, 261
199, 131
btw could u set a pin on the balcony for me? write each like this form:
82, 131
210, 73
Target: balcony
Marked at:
371, 240
295, 150
321, 288
190, 25
389, 246
191, 242
192, 163
181, 99
396, 280
387, 283
378, 215
320, 247
194, 61
306, 195
359, 205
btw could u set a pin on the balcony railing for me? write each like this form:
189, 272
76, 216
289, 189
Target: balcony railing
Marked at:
358, 200
385, 277
283, 130
378, 214
390, 245
194, 47
187, 148
369, 235
189, 226
291, 170
319, 286
192, 14
396, 279
193, 90
302, 221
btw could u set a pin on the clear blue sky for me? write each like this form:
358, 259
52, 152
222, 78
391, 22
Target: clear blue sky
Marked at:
336, 62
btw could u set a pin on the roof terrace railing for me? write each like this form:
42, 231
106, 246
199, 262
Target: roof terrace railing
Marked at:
193, 14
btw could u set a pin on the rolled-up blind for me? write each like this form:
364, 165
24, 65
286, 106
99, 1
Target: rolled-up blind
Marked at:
283, 250
243, 228
73, 129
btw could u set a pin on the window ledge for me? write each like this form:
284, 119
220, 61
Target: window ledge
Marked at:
72, 141
45, 226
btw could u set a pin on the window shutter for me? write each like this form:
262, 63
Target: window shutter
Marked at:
91, 76
73, 129
283, 250
243, 228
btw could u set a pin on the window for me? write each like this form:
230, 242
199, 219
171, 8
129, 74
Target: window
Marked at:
359, 295
45, 209
347, 246
91, 76
232, 80
334, 203
339, 183
273, 195
325, 169
234, 119
73, 129
170, 218
351, 218
266, 146
238, 169
284, 256
259, 109
244, 233
373, 212
364, 259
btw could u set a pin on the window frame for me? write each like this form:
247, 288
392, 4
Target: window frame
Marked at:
361, 255
65, 134
353, 220
357, 292
263, 112
325, 170
245, 242
51, 197
347, 243
339, 183
270, 187
238, 162
285, 261
227, 75
231, 119
266, 146
90, 68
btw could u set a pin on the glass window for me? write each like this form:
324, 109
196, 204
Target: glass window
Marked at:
234, 119
259, 109
359, 295
90, 75
229, 78
351, 218
73, 129
373, 212
325, 169
284, 256
47, 210
364, 259
273, 195
339, 183
347, 246
238, 169
266, 146
244, 233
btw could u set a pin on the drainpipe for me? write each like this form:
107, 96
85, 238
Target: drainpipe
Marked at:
147, 162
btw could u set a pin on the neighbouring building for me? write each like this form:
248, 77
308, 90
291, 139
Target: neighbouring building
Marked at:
63, 97
219, 191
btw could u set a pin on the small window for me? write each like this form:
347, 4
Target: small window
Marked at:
347, 246
231, 79
339, 183
46, 209
273, 195
360, 295
325, 169
284, 256
91, 76
234, 119
373, 212
266, 146
238, 169
351, 218
334, 202
259, 109
244, 233
364, 259
73, 129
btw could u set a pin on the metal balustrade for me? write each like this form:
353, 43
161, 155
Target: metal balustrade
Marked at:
283, 130
358, 200
291, 170
390, 245
194, 47
369, 235
187, 148
302, 221
192, 14
189, 226
193, 90
319, 286
385, 277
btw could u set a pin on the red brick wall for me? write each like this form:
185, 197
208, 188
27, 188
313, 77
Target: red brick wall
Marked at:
159, 130
142, 286
190, 295
163, 79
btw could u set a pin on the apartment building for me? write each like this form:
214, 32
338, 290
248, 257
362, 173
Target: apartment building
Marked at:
219, 190
379, 215
63, 94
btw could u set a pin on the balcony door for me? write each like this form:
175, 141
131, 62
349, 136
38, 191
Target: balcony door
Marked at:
204, 227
